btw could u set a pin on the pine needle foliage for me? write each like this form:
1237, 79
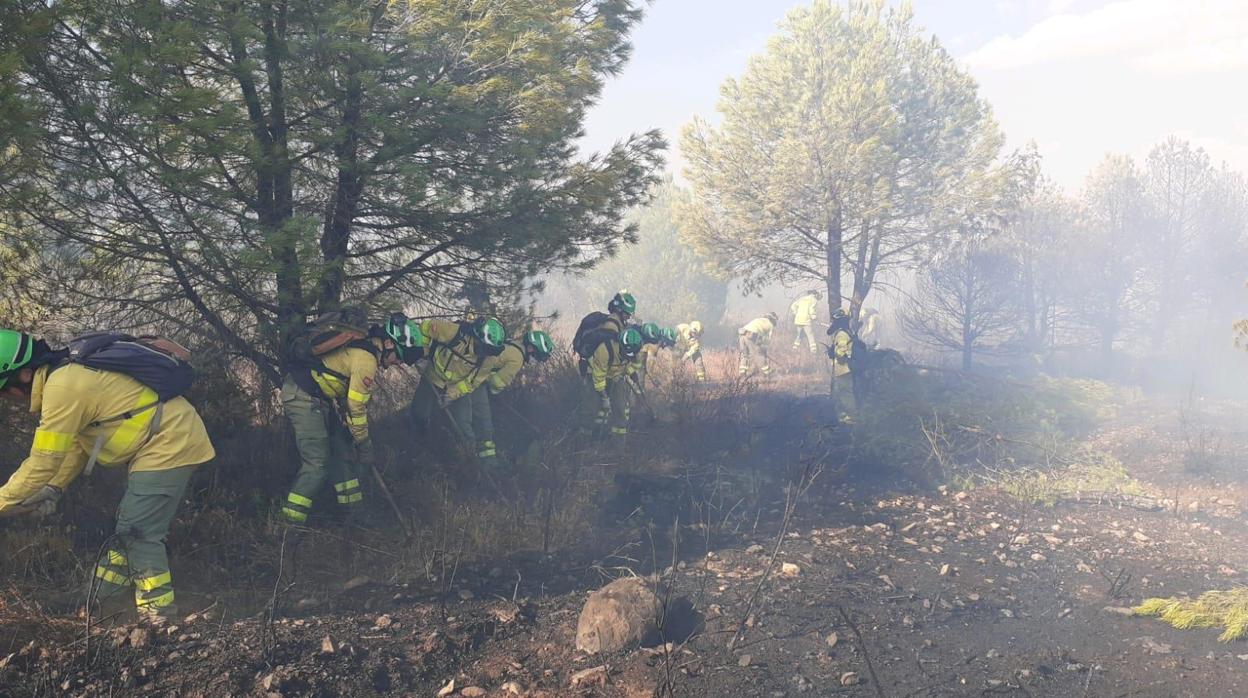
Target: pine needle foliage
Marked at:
1214, 609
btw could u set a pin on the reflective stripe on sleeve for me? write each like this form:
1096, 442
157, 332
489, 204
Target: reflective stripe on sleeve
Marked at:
153, 582
53, 441
358, 396
357, 419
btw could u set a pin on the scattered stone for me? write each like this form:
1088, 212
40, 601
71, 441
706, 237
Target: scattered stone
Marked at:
961, 497
472, 692
1154, 647
1007, 613
1037, 557
306, 604
1118, 610
993, 653
589, 677
466, 595
1140, 537
446, 690
328, 646
744, 660
849, 678
383, 621
617, 616
140, 637
833, 638
357, 582
755, 549
513, 688
944, 570
788, 569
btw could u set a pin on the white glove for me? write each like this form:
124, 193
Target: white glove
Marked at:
43, 502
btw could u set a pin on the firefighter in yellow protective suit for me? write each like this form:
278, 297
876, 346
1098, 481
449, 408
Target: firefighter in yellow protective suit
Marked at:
327, 405
500, 371
804, 311
457, 366
607, 392
754, 339
841, 351
84, 410
689, 344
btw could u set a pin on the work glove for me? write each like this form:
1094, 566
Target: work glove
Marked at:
456, 391
43, 502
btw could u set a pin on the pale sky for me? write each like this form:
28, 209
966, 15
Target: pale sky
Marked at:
1079, 77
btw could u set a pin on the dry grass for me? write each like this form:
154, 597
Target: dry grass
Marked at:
1213, 609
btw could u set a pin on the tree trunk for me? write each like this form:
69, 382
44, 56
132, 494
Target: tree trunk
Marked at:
336, 236
833, 261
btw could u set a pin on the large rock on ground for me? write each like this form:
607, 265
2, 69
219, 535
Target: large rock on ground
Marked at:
619, 615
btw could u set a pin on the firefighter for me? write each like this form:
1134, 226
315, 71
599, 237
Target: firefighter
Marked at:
804, 310
499, 373
606, 382
457, 366
651, 342
755, 338
326, 401
690, 346
841, 351
162, 442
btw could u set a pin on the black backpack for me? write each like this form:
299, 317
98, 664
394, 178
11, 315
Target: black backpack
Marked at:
329, 331
590, 334
158, 363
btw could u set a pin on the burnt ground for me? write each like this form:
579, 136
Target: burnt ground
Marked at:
888, 590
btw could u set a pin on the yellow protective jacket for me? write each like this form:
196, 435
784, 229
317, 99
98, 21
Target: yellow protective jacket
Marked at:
608, 364
453, 359
359, 366
842, 350
804, 310
72, 397
689, 342
501, 370
759, 329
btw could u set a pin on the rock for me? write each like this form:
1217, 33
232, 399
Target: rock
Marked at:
744, 660
328, 646
755, 549
1037, 557
788, 569
383, 621
833, 638
140, 637
1140, 537
616, 616
961, 497
849, 678
357, 583
472, 692
993, 654
306, 604
1118, 610
447, 690
590, 677
506, 614
466, 594
1154, 647
1007, 613
513, 688
944, 570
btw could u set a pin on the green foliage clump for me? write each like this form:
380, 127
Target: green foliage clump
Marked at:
1213, 609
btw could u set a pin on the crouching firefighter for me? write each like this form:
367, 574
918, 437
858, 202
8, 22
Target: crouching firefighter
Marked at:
457, 367
111, 399
651, 341
500, 371
754, 339
690, 346
608, 393
331, 372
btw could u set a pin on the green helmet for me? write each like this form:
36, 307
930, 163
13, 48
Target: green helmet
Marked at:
409, 341
490, 335
543, 346
630, 342
16, 350
650, 333
669, 336
623, 302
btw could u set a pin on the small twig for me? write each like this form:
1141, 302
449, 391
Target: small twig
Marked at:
875, 680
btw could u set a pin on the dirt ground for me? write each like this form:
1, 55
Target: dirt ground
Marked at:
878, 588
